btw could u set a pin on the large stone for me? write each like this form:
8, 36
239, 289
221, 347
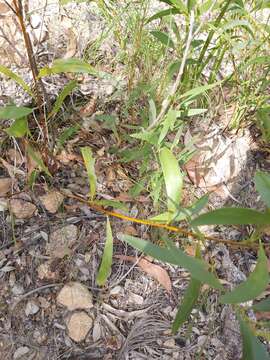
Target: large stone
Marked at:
79, 325
75, 296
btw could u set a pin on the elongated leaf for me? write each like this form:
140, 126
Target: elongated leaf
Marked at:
14, 112
89, 163
163, 38
113, 203
19, 128
61, 97
255, 284
172, 177
175, 256
70, 66
253, 349
35, 155
199, 90
179, 4
194, 112
263, 306
106, 263
238, 23
168, 123
262, 183
263, 117
190, 298
232, 216
163, 13
4, 70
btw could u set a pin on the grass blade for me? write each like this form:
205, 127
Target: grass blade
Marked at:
106, 262
262, 306
69, 66
89, 163
255, 284
61, 97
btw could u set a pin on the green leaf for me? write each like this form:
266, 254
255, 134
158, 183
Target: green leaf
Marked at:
113, 203
262, 306
67, 134
89, 163
35, 155
149, 136
237, 23
14, 112
163, 13
232, 216
152, 111
106, 263
19, 128
262, 183
163, 38
4, 70
174, 256
253, 349
199, 90
70, 66
173, 178
263, 117
195, 112
190, 298
61, 97
255, 284
179, 5
168, 123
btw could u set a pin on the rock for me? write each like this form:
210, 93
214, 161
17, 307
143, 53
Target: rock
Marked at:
31, 308
135, 299
75, 296
61, 241
20, 352
79, 325
117, 290
169, 343
52, 201
22, 207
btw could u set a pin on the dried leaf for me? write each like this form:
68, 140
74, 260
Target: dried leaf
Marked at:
5, 186
156, 271
52, 201
61, 241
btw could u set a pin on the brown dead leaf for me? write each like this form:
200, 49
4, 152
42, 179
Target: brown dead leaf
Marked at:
12, 170
5, 186
72, 44
22, 207
130, 230
156, 271
15, 157
262, 315
65, 158
52, 201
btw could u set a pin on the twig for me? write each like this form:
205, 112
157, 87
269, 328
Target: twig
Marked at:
24, 296
168, 99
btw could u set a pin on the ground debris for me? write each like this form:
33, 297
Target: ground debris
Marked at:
75, 296
79, 325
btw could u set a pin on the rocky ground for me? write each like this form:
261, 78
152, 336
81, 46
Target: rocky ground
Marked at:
51, 244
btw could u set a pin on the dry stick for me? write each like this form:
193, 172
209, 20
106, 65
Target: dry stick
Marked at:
168, 99
39, 86
175, 229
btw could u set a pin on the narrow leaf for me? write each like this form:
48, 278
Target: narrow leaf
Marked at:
199, 90
255, 284
163, 38
190, 298
14, 112
172, 177
253, 349
61, 97
19, 128
232, 216
175, 256
263, 306
162, 13
68, 65
89, 163
4, 70
106, 263
168, 124
262, 183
